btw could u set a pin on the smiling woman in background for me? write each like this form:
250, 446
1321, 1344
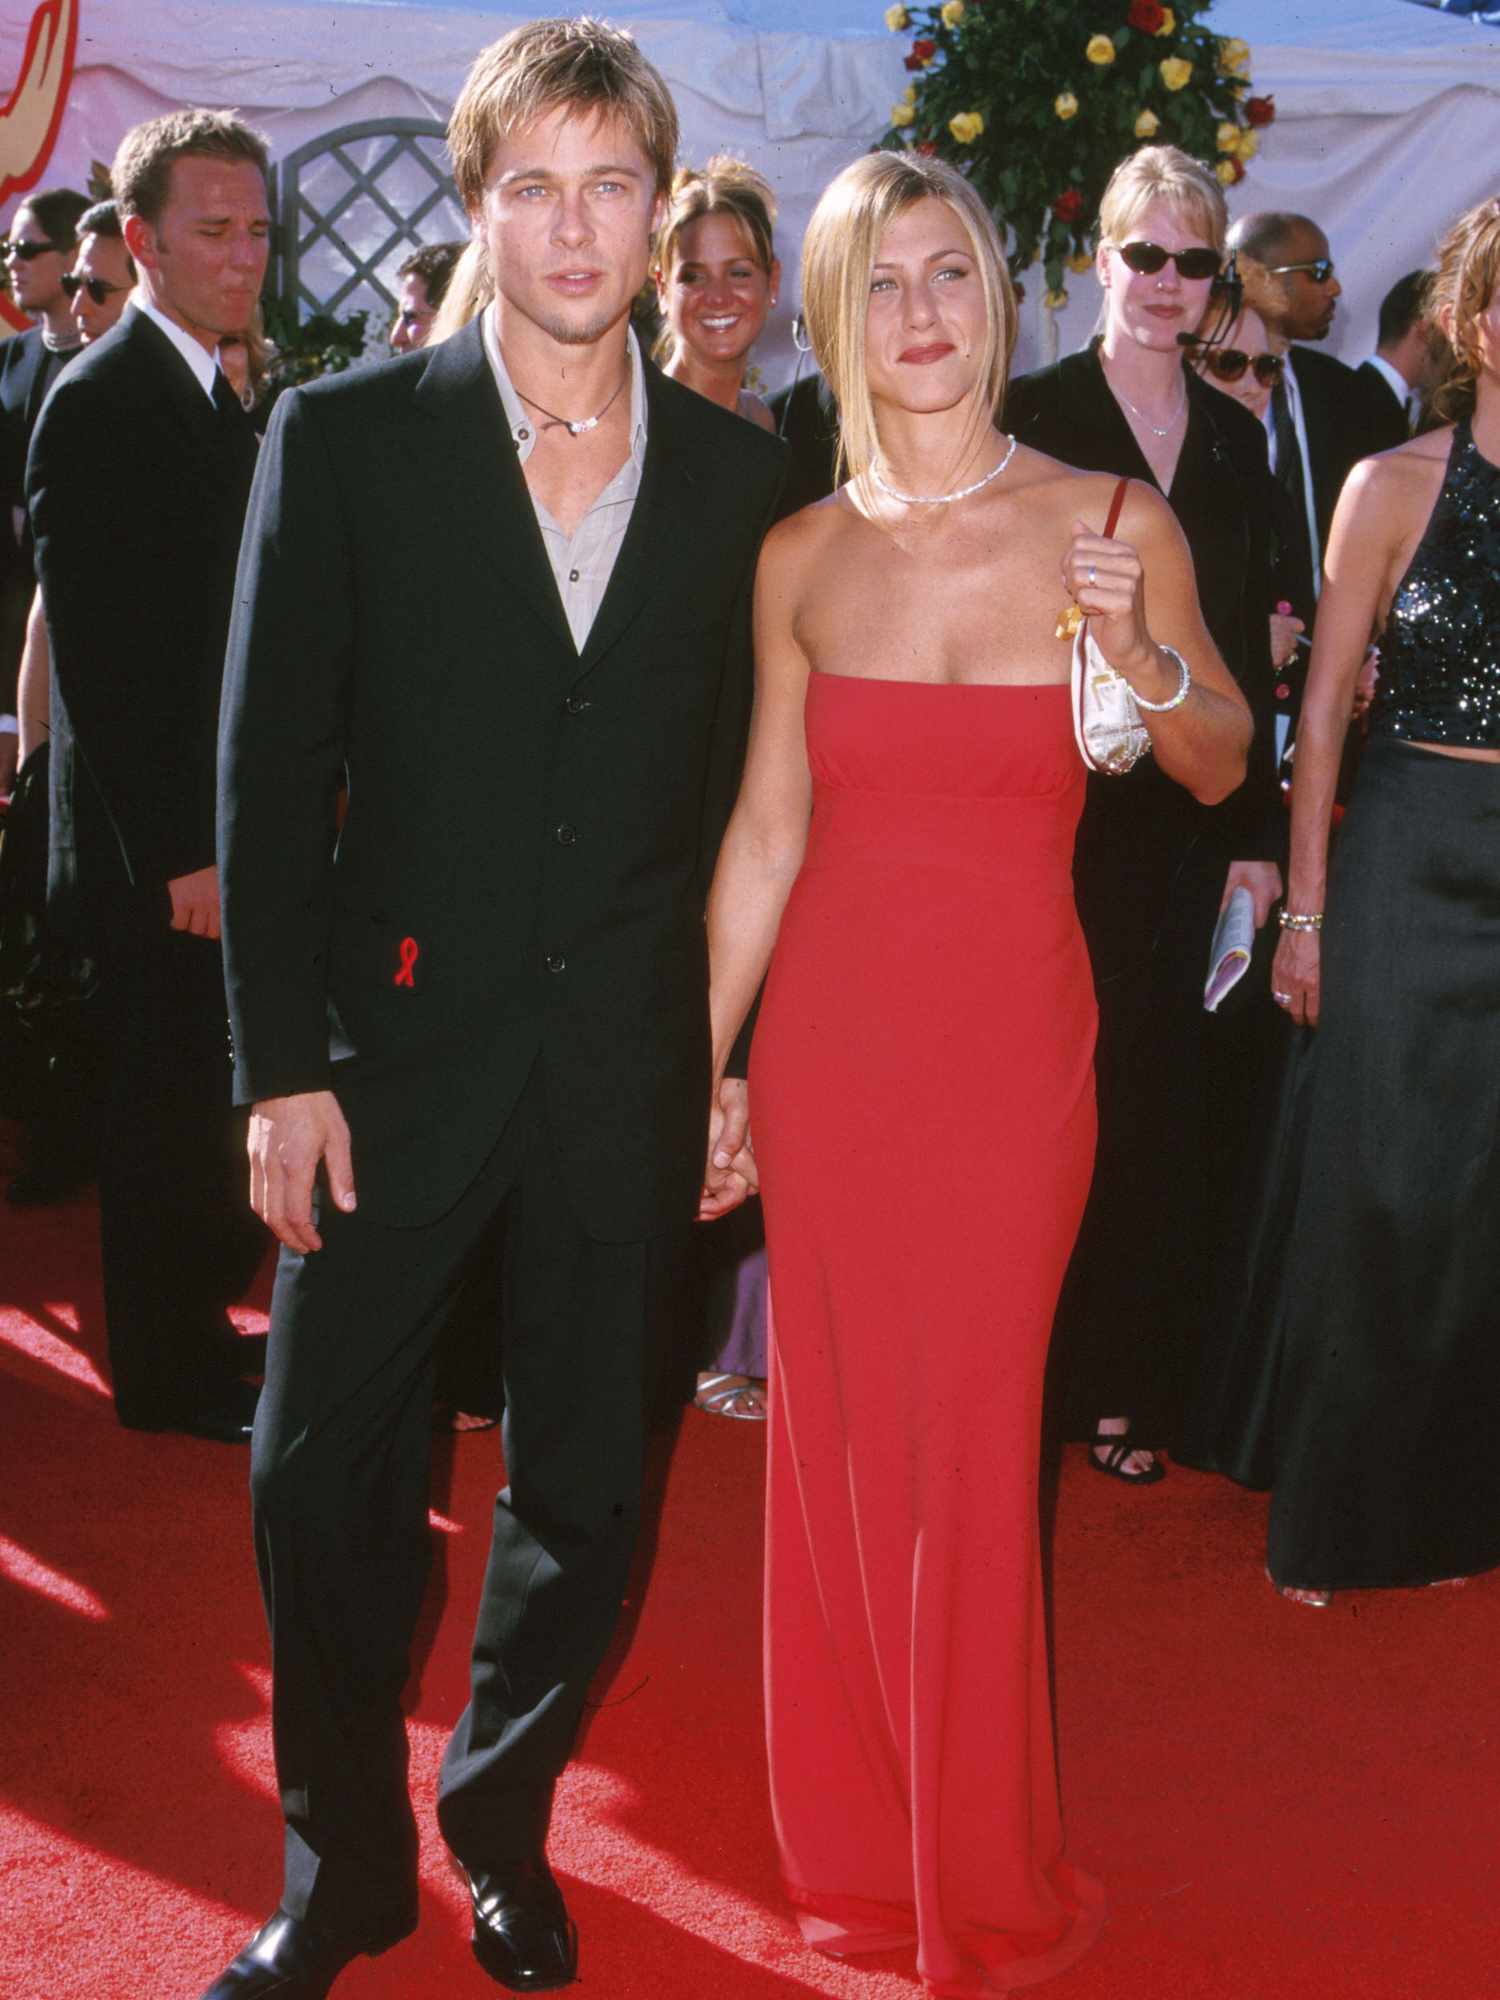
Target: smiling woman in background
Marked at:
716, 280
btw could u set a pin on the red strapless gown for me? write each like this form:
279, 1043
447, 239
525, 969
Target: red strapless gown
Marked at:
922, 1085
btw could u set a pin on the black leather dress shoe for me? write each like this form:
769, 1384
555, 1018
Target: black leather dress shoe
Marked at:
227, 1417
288, 1960
523, 1935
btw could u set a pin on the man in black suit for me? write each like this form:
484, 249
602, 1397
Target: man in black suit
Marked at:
1404, 365
1323, 418
38, 254
137, 483
487, 994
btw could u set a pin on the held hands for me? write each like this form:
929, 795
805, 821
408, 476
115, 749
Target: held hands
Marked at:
195, 902
1106, 580
1285, 632
288, 1137
731, 1173
1297, 974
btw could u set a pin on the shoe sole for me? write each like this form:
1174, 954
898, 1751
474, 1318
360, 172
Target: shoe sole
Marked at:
483, 1948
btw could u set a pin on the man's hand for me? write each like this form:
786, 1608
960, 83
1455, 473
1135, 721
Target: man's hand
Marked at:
288, 1137
731, 1174
1262, 879
195, 902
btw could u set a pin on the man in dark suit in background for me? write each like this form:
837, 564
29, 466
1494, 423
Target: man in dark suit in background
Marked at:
1404, 365
38, 254
487, 994
139, 474
1323, 418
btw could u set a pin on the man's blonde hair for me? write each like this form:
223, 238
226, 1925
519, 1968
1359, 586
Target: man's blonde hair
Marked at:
141, 174
578, 65
838, 261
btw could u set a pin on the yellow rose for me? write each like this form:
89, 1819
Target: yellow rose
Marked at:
1080, 262
966, 127
1065, 104
1147, 125
1226, 173
1100, 49
1168, 22
951, 13
1229, 137
909, 95
1055, 301
1249, 144
897, 18
1175, 72
902, 114
1234, 54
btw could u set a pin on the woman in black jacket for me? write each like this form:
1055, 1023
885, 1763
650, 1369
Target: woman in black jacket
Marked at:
1153, 866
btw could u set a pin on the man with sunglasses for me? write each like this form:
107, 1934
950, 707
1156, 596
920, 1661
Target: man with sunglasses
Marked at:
1322, 419
37, 251
101, 281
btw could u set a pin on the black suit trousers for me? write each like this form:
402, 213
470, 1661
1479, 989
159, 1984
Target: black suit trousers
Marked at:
339, 1482
178, 1240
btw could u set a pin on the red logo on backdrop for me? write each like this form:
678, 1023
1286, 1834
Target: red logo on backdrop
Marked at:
29, 122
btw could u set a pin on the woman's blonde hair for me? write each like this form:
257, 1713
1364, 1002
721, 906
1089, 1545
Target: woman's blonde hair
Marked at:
1458, 298
838, 261
726, 186
1162, 173
577, 65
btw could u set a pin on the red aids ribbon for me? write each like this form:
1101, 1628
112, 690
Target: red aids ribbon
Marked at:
411, 951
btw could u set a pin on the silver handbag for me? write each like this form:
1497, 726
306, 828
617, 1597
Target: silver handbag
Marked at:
1107, 723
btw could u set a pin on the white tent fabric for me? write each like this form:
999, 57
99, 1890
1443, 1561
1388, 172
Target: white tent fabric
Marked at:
1387, 112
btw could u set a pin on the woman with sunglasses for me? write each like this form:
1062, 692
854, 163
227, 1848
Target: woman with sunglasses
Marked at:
1361, 1375
1154, 866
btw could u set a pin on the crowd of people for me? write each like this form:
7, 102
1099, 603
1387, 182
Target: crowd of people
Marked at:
458, 865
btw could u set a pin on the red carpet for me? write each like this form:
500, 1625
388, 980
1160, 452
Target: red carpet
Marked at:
1282, 1803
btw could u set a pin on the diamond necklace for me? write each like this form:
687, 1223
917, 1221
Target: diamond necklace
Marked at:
566, 423
942, 499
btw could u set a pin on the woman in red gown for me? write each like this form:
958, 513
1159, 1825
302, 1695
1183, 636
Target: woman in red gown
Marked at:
922, 1078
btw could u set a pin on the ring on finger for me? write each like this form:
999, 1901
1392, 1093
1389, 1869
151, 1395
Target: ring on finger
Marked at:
1282, 999
1092, 576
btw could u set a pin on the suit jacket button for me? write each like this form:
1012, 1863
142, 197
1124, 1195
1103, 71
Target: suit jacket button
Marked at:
556, 962
566, 835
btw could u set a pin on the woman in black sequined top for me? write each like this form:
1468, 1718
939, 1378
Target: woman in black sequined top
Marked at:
1362, 1377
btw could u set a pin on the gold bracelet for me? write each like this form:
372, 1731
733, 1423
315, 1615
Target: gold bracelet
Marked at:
1293, 920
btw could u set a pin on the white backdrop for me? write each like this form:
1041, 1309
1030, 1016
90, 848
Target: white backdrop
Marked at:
1388, 114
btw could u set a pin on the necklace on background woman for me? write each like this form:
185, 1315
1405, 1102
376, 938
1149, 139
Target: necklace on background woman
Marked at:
1156, 430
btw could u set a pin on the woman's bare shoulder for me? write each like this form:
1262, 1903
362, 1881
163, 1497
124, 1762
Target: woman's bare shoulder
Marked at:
1406, 476
1065, 490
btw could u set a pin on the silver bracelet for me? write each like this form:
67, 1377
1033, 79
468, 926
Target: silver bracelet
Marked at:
1166, 707
1300, 920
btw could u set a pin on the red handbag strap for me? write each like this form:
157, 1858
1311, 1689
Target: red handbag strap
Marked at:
1114, 509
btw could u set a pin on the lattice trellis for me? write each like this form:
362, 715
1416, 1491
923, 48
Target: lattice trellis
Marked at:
352, 205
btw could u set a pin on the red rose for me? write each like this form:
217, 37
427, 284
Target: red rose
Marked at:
924, 51
1239, 169
927, 149
914, 61
1146, 15
1260, 110
1069, 206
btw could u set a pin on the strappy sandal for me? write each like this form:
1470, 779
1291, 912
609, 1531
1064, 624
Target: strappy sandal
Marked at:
1117, 1447
720, 1396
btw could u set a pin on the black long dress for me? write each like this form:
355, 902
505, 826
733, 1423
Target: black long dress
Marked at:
1176, 1086
1358, 1374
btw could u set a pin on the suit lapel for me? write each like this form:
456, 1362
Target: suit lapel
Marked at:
457, 391
660, 520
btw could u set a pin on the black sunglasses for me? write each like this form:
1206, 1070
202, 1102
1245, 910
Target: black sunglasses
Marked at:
1230, 363
15, 246
1149, 258
98, 289
1319, 269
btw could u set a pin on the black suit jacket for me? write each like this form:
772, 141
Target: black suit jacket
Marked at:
1137, 829
1345, 422
137, 490
1382, 398
530, 833
28, 368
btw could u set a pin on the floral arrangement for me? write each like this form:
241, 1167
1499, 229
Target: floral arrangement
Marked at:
1038, 103
322, 344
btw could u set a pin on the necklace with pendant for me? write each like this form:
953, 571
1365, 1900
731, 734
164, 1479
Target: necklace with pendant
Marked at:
583, 424
1156, 430
942, 499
